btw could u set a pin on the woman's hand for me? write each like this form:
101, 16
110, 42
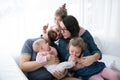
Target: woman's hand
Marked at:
60, 75
86, 61
83, 62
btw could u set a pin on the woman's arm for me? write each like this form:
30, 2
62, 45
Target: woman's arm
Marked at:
91, 45
88, 60
95, 53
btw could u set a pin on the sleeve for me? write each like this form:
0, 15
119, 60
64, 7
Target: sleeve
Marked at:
91, 45
41, 57
27, 47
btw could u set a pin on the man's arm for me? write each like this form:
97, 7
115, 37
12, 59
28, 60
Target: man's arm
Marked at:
27, 65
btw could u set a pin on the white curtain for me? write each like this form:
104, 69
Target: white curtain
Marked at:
23, 19
102, 19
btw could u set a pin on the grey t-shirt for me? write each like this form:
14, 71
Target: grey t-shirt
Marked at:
27, 48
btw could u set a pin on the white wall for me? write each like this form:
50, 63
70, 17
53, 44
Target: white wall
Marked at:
23, 19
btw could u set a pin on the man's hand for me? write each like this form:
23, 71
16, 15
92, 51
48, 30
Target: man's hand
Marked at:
60, 75
45, 27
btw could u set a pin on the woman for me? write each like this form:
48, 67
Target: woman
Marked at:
69, 29
60, 13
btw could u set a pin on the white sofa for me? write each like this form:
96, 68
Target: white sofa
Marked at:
110, 50
9, 69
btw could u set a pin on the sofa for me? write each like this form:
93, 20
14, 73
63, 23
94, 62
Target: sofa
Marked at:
9, 69
110, 52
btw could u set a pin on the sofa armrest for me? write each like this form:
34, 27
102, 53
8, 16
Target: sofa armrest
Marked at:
9, 70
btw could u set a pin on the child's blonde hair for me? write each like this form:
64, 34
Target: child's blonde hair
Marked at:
61, 11
77, 42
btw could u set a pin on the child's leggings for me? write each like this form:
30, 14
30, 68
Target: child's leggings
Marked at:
107, 73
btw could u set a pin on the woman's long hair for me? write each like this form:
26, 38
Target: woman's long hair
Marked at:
71, 25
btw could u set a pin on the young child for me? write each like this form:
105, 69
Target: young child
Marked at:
60, 13
96, 71
44, 52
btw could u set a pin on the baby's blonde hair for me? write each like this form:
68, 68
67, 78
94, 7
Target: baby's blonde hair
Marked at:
37, 44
